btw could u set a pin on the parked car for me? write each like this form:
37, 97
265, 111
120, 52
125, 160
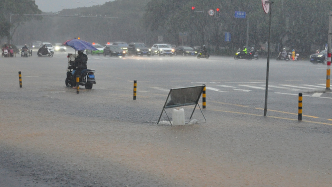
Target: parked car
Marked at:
59, 47
185, 51
138, 49
162, 49
318, 57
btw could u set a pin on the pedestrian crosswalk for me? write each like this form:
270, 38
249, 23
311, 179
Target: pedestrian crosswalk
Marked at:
313, 90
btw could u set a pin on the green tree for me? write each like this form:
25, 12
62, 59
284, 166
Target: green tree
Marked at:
12, 15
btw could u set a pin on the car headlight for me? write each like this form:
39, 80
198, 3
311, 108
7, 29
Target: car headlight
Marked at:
123, 52
138, 50
173, 50
149, 49
65, 47
57, 48
320, 55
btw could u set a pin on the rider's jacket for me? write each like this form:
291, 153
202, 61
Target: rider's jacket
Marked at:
81, 61
245, 50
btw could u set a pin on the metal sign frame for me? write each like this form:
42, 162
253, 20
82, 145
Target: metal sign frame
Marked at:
183, 104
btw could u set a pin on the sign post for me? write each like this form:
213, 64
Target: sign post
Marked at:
328, 71
267, 7
243, 15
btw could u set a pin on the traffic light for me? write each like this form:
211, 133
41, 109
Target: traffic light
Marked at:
217, 12
192, 9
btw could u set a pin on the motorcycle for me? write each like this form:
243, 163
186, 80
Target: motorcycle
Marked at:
87, 77
48, 54
295, 58
25, 53
5, 53
201, 54
283, 57
242, 55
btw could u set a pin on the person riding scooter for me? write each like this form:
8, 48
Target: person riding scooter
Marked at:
43, 51
80, 64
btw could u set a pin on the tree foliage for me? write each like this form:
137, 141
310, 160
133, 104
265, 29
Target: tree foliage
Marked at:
12, 15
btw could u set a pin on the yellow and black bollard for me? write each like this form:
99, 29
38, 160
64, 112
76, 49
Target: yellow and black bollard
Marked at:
20, 78
300, 107
135, 89
77, 84
204, 97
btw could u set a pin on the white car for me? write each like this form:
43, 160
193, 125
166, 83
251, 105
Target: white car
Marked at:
162, 49
60, 47
49, 46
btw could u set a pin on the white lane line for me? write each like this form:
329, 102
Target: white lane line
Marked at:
292, 86
160, 89
314, 86
287, 88
317, 94
226, 86
214, 89
285, 93
245, 82
242, 90
255, 87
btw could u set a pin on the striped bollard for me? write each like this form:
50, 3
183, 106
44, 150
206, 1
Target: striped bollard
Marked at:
77, 84
204, 97
135, 89
300, 107
20, 78
328, 71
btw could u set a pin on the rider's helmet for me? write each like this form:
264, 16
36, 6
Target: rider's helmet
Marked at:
25, 45
80, 52
244, 47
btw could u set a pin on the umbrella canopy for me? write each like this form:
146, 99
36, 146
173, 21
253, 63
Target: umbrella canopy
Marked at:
79, 45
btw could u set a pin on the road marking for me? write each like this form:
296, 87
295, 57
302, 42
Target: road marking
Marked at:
214, 89
230, 104
272, 86
285, 93
226, 86
242, 90
292, 86
255, 87
317, 94
314, 86
160, 89
286, 113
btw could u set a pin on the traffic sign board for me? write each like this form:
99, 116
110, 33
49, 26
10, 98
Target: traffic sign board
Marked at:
239, 14
211, 12
266, 6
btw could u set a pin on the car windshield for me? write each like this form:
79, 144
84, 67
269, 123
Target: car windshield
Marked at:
48, 45
163, 46
115, 48
121, 44
188, 48
139, 45
97, 46
58, 44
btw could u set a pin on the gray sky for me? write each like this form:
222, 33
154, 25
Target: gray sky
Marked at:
57, 5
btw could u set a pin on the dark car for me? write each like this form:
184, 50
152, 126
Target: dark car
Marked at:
116, 50
123, 45
318, 57
138, 49
185, 51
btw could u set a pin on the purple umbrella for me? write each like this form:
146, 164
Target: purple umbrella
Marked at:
79, 45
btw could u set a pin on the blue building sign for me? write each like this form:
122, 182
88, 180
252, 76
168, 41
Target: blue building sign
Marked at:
239, 14
227, 37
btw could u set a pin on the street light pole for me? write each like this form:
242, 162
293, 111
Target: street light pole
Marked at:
268, 58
